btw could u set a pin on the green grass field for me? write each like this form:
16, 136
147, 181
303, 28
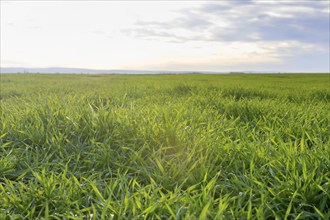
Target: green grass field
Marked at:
165, 146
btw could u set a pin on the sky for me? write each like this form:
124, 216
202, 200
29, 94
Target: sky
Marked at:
246, 35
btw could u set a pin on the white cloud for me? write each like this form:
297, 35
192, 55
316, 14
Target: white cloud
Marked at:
161, 35
278, 15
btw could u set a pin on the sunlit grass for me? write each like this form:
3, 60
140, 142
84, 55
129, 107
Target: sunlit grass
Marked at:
165, 147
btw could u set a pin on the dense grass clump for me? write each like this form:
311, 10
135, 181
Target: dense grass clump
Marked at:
165, 147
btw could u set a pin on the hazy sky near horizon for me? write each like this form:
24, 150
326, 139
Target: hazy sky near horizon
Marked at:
167, 35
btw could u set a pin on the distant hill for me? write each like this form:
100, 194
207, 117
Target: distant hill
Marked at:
65, 70
86, 71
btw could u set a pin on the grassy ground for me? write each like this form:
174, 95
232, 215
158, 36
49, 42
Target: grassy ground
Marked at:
165, 147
